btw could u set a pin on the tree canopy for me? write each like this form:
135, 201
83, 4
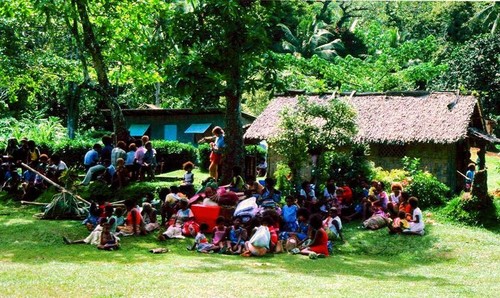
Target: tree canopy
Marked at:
72, 59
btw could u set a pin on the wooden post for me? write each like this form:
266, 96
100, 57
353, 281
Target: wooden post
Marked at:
54, 184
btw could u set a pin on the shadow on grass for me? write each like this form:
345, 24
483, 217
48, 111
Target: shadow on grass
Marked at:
371, 254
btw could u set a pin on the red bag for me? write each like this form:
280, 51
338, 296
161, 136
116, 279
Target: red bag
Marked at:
190, 228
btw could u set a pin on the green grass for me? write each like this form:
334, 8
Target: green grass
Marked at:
449, 260
493, 165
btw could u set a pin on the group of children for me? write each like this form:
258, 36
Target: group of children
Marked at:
302, 225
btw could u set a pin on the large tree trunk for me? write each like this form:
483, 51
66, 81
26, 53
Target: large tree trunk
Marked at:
105, 89
235, 151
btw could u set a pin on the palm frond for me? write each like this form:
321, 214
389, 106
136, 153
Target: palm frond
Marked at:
289, 36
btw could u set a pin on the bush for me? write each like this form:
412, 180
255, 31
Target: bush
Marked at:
282, 182
388, 177
470, 210
256, 151
204, 156
71, 151
345, 166
429, 191
173, 154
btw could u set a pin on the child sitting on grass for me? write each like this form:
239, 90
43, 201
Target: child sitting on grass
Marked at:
220, 234
93, 218
417, 222
200, 241
289, 215
398, 224
237, 237
258, 245
107, 240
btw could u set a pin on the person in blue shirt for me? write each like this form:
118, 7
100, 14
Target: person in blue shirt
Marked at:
92, 157
470, 176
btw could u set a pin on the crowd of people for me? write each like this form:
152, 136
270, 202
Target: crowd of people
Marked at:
24, 168
260, 220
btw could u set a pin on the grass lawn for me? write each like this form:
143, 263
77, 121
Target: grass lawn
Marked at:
449, 260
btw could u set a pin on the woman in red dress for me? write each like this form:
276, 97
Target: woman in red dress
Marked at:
319, 244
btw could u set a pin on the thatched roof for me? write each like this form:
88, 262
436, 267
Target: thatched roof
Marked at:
423, 117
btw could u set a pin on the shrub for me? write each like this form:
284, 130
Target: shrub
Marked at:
173, 154
282, 182
256, 151
204, 156
388, 177
345, 166
470, 210
71, 151
428, 190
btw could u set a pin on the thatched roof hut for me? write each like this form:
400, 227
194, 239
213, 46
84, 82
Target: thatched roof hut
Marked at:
422, 124
423, 117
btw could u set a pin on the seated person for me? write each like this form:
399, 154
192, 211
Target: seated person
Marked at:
416, 220
91, 158
237, 182
319, 243
253, 188
56, 168
333, 225
270, 195
262, 167
105, 171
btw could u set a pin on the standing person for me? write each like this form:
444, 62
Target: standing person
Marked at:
139, 157
471, 171
92, 156
217, 149
149, 161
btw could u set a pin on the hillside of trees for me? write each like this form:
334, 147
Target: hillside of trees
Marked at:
69, 59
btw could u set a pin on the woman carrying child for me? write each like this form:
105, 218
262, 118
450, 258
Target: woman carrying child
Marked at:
333, 224
149, 216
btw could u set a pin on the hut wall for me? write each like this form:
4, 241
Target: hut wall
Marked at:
440, 160
182, 122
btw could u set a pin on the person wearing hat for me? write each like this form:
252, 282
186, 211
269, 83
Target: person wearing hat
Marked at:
333, 224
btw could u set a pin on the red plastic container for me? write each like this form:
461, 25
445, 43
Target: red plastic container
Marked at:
205, 214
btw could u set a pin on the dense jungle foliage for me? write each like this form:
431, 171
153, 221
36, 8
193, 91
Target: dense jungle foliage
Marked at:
70, 59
